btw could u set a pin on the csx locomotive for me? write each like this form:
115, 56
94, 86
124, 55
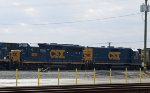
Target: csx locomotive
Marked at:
66, 56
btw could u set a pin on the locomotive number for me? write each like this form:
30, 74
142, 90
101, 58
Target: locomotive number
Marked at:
57, 53
114, 55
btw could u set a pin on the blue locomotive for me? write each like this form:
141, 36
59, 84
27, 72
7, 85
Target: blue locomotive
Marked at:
67, 56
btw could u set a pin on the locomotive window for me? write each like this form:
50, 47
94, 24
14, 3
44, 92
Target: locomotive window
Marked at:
32, 49
76, 52
42, 50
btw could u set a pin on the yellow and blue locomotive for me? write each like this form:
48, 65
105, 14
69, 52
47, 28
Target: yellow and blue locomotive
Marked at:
66, 56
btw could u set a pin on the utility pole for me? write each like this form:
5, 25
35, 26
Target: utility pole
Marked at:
145, 37
145, 8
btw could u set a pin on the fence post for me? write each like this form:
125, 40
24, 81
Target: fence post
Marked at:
76, 76
38, 76
140, 75
110, 75
94, 76
58, 75
16, 77
126, 75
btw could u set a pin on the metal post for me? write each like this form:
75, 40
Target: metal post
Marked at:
38, 77
110, 75
58, 75
109, 43
126, 75
16, 77
94, 76
76, 76
140, 75
85, 70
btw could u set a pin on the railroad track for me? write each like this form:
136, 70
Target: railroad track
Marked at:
98, 88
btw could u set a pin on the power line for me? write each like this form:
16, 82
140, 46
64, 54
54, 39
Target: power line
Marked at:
80, 21
125, 42
97, 19
115, 43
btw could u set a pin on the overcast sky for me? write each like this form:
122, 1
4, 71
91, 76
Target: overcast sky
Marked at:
83, 22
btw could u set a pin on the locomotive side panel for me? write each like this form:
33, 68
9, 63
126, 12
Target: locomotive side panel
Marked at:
112, 56
62, 53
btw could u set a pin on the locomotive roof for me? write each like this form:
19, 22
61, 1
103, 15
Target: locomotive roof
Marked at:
55, 44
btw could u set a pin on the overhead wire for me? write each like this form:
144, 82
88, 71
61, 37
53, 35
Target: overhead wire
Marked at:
80, 21
124, 42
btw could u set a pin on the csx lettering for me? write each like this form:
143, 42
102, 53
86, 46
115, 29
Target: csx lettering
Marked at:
114, 55
14, 54
57, 53
88, 54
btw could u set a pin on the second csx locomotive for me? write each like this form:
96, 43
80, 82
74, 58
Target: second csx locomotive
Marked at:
67, 56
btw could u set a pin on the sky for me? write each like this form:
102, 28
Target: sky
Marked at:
84, 22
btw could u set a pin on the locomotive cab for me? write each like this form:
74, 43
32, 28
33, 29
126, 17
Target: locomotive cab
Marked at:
14, 55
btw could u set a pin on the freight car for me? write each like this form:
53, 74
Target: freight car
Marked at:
66, 56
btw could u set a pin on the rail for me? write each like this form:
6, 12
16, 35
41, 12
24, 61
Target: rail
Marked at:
98, 88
